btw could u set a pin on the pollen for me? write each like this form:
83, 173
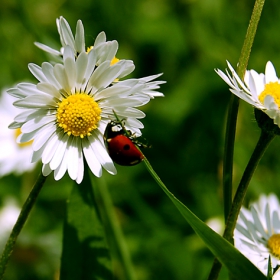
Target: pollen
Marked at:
89, 49
78, 115
272, 89
273, 244
114, 61
21, 145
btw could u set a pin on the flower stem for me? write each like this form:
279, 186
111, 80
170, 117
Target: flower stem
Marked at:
233, 107
25, 211
115, 230
264, 141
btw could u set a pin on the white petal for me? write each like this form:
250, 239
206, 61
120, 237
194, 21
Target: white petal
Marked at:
29, 89
91, 57
60, 75
36, 123
36, 101
46, 170
61, 169
15, 125
22, 117
101, 38
129, 102
133, 123
37, 72
124, 112
258, 81
47, 49
66, 34
49, 89
91, 158
103, 76
270, 74
70, 70
37, 155
101, 153
81, 66
128, 67
46, 132
106, 51
15, 92
258, 223
59, 154
111, 91
81, 165
50, 148
72, 154
80, 37
153, 77
48, 71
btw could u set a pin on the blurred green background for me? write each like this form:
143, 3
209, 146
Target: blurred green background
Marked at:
185, 40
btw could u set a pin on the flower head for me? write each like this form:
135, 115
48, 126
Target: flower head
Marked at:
66, 113
260, 90
257, 233
105, 50
14, 157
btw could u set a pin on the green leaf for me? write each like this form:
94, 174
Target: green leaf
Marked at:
269, 269
239, 266
85, 253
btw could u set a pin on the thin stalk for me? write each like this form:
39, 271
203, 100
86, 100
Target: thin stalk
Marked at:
25, 211
264, 140
260, 148
116, 232
234, 104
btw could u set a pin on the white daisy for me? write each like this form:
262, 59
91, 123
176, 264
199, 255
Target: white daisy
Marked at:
66, 113
104, 50
257, 232
14, 157
260, 90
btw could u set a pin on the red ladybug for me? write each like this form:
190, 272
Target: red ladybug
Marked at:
121, 145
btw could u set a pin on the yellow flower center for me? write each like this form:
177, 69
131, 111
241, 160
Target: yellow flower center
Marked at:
272, 89
21, 145
273, 244
78, 115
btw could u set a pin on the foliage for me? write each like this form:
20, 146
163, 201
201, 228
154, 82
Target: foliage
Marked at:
186, 40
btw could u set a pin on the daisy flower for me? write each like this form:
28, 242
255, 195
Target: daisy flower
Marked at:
257, 232
104, 50
66, 112
260, 90
14, 157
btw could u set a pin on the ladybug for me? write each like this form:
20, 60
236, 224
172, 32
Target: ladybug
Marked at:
121, 144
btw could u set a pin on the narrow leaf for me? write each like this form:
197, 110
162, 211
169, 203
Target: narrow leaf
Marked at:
239, 266
85, 253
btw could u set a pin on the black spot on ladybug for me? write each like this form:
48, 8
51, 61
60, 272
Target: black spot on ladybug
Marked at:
126, 147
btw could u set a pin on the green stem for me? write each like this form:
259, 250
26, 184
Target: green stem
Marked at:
264, 140
234, 104
25, 211
228, 153
115, 230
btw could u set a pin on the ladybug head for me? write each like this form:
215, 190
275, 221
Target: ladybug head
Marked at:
113, 129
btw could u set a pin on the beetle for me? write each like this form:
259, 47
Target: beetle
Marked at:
121, 144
